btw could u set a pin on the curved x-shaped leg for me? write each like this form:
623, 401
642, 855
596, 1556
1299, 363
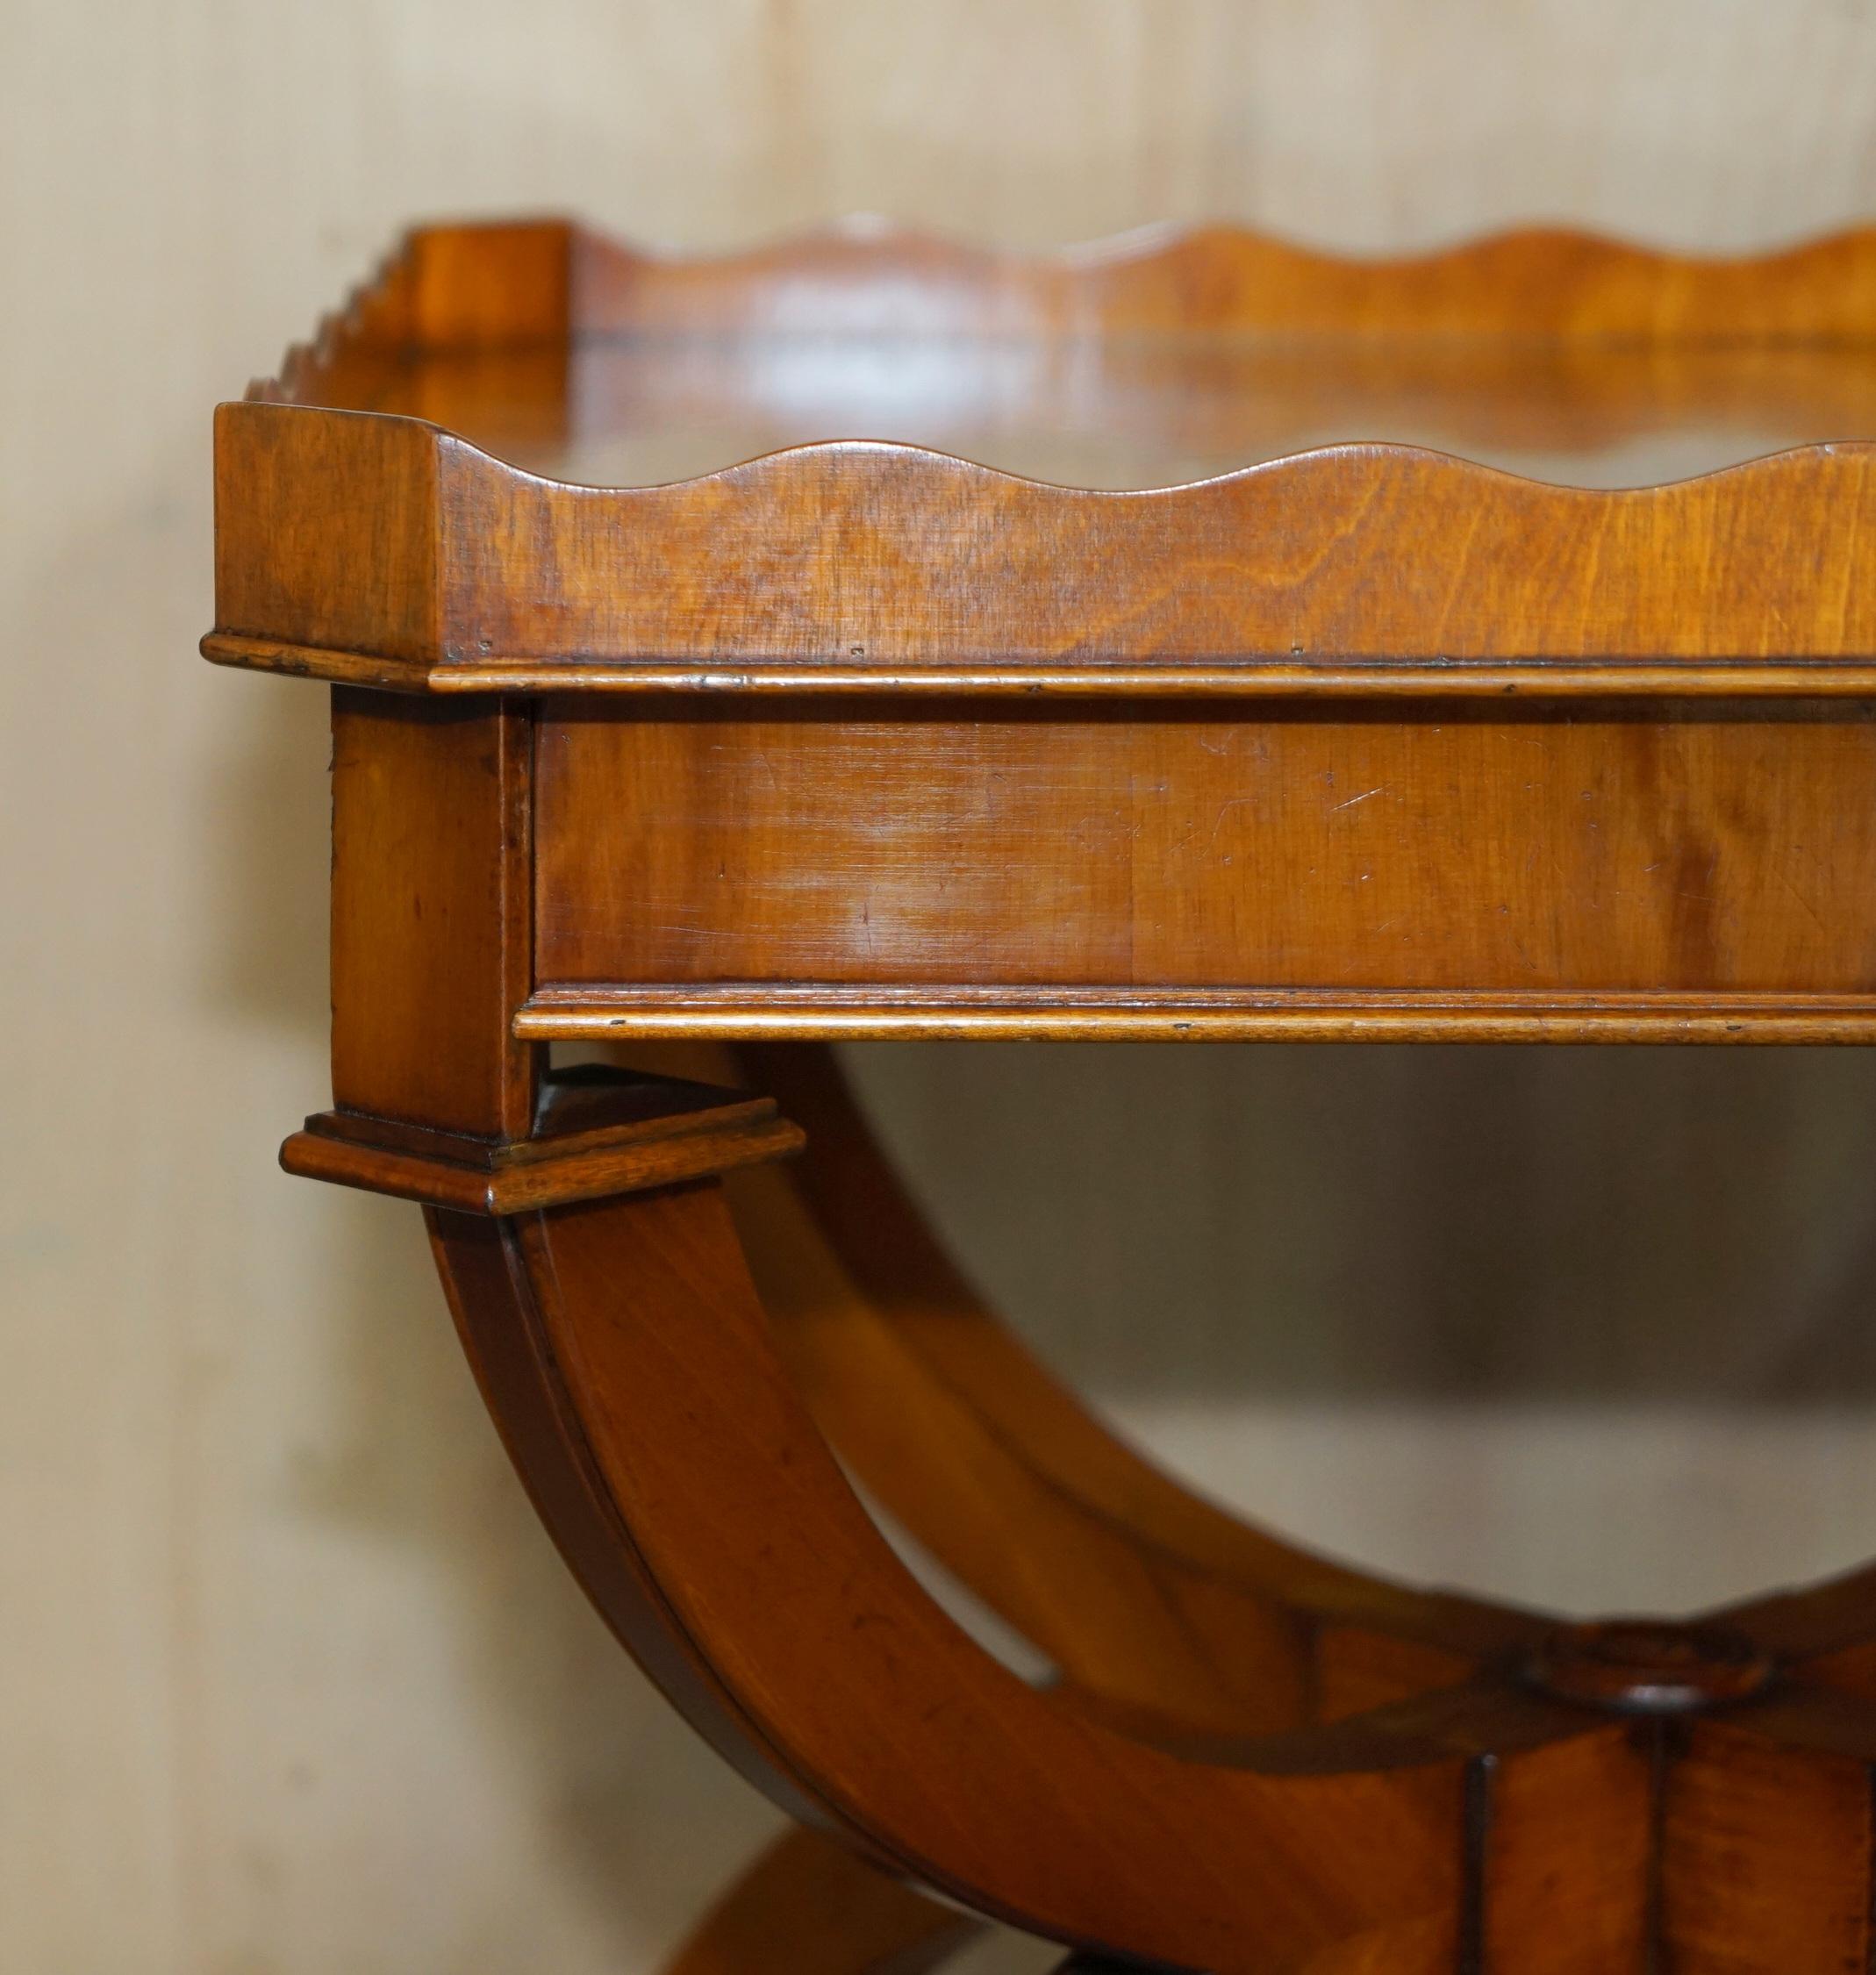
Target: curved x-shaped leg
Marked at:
1163, 1612
1627, 1798
1144, 1595
631, 1365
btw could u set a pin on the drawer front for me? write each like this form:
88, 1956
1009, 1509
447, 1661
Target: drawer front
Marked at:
1606, 848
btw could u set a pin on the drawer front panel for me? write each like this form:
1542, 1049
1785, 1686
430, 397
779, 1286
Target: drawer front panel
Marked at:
1587, 849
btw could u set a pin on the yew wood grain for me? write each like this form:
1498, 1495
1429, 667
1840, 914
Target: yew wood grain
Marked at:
871, 563
590, 1137
613, 1339
1567, 1839
402, 555
629, 1334
1557, 1837
1148, 361
488, 285
1252, 1761
329, 526
1663, 849
1137, 1590
432, 814
1768, 1841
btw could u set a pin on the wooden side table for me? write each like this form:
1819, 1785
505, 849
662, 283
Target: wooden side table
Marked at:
1573, 738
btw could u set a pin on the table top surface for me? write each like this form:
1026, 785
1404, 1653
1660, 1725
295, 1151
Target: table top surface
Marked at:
1143, 410
1185, 462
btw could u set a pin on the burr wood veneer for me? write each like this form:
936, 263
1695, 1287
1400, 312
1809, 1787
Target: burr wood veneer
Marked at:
1044, 682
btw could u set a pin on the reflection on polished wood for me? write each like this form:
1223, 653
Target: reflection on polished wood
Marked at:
1365, 742
1148, 410
1138, 363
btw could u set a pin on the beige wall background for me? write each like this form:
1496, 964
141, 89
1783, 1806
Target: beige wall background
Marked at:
289, 1682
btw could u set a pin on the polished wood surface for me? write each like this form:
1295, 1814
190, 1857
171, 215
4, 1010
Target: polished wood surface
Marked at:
1533, 1831
1163, 358
1277, 804
862, 566
1139, 1593
430, 821
1537, 280
588, 1139
873, 566
1141, 409
923, 1748
1096, 854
